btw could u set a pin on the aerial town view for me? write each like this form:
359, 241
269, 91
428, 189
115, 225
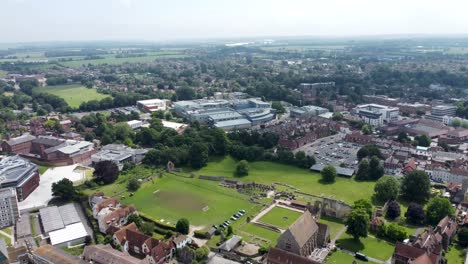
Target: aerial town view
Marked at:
233, 132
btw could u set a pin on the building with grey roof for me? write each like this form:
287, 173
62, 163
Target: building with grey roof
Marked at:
230, 244
226, 114
308, 110
119, 154
20, 174
55, 218
346, 172
9, 212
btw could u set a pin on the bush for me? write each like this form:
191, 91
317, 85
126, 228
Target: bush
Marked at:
183, 226
200, 234
242, 168
133, 185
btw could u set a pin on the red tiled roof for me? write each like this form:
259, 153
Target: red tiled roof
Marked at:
279, 256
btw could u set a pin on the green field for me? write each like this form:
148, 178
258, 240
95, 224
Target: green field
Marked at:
260, 232
339, 257
266, 172
334, 225
202, 202
370, 246
280, 217
456, 254
73, 94
111, 59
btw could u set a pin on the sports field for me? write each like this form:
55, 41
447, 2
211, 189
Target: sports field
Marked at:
280, 217
203, 202
266, 172
73, 94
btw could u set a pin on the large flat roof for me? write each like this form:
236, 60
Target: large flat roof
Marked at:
69, 233
15, 169
230, 123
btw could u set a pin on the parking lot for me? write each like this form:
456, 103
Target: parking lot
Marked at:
333, 150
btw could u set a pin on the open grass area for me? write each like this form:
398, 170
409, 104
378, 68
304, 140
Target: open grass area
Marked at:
3, 74
75, 251
334, 225
280, 217
8, 230
260, 232
266, 172
73, 94
43, 169
370, 246
456, 254
202, 202
7, 239
339, 257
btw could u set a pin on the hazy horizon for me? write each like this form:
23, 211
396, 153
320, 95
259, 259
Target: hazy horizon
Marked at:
179, 20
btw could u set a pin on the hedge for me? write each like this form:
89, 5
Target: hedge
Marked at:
156, 222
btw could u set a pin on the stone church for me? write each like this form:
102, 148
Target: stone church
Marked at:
304, 235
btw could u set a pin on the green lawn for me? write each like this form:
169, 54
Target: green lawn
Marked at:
73, 94
7, 239
456, 254
43, 169
260, 232
370, 246
334, 225
75, 251
266, 172
280, 217
339, 257
202, 202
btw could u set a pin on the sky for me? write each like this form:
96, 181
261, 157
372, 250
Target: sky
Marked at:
165, 20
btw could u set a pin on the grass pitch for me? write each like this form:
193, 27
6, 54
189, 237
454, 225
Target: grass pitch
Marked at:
204, 203
266, 172
73, 94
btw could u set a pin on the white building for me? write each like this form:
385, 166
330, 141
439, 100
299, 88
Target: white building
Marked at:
9, 212
152, 105
135, 124
376, 115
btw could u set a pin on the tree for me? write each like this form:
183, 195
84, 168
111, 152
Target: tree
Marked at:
416, 187
387, 188
415, 213
133, 218
366, 129
64, 189
456, 122
147, 228
393, 210
106, 171
403, 137
337, 116
198, 155
185, 93
242, 168
463, 237
376, 169
396, 232
183, 226
133, 185
364, 204
278, 107
423, 140
328, 174
363, 170
438, 208
229, 231
358, 223
368, 151
202, 253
